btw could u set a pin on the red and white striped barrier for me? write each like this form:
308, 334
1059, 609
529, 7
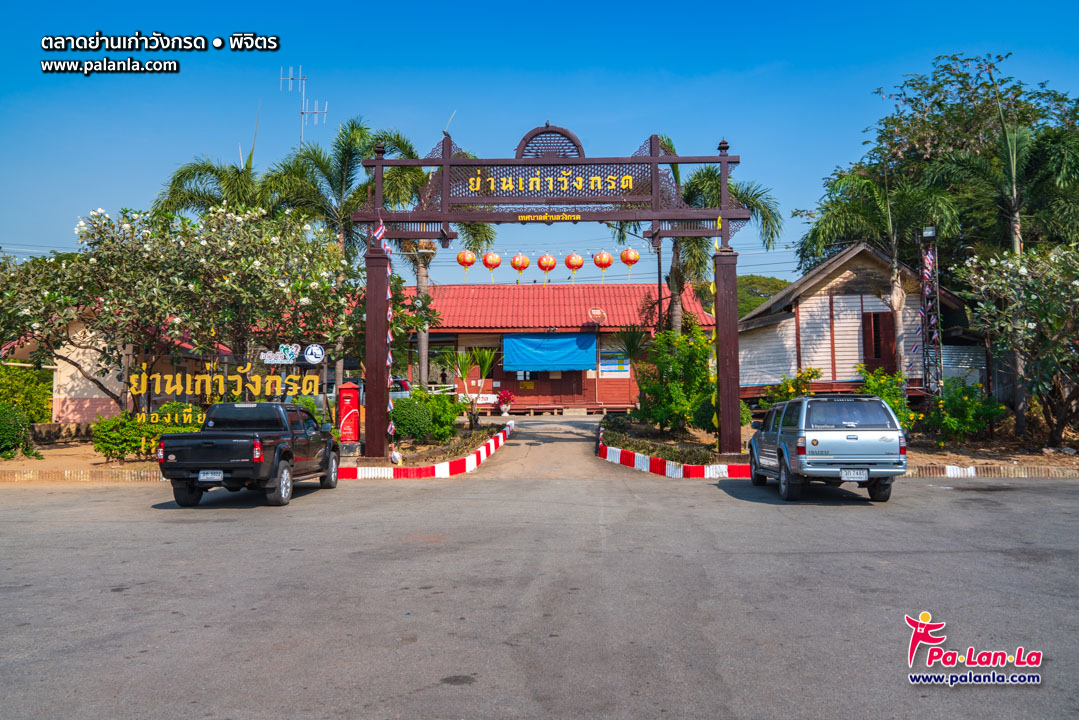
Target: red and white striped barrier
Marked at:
659, 466
441, 470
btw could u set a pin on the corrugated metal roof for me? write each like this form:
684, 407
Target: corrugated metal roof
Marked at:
541, 307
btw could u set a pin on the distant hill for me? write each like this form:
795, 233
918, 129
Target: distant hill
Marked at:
755, 289
752, 291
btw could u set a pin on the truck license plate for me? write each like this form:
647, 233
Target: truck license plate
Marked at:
211, 475
853, 475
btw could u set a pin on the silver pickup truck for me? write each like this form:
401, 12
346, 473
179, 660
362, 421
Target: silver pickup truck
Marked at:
832, 439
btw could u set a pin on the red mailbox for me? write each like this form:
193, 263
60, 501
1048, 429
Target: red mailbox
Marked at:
348, 412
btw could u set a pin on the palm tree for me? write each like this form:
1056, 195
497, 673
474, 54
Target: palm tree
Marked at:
691, 257
203, 184
864, 206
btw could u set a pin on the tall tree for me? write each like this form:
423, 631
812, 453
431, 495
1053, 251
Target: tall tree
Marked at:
862, 205
203, 184
691, 257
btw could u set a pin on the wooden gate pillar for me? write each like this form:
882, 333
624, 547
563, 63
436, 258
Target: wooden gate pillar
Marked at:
376, 351
725, 264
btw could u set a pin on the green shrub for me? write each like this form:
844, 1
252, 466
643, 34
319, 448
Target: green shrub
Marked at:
15, 433
705, 412
963, 410
788, 388
29, 390
892, 390
411, 418
673, 378
444, 410
124, 436
311, 405
616, 423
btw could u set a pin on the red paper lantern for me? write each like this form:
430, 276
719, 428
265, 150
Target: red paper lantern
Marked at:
603, 260
519, 263
491, 260
574, 262
629, 258
466, 259
546, 263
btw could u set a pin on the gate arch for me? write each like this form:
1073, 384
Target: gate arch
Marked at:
550, 180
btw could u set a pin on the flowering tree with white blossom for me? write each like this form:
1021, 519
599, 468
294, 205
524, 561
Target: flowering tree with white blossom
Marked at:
1027, 305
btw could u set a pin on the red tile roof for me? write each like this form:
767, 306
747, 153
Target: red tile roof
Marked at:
520, 308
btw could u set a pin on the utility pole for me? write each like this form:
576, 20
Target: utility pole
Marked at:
301, 80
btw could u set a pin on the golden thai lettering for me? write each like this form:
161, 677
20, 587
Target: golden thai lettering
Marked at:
156, 377
563, 180
272, 385
254, 384
174, 384
549, 217
292, 382
310, 384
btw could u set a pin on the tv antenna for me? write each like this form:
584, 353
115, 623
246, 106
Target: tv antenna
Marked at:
301, 79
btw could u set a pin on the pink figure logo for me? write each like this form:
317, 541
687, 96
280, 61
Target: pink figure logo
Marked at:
922, 632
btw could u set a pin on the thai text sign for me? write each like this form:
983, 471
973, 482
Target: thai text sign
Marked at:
205, 384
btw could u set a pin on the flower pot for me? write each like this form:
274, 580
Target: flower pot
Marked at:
505, 409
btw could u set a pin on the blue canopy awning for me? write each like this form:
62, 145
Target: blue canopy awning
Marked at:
549, 351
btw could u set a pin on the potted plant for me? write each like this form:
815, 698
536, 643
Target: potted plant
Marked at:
505, 400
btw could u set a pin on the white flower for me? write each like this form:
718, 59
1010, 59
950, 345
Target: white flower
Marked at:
77, 231
1022, 271
1075, 283
313, 286
280, 283
183, 244
275, 239
24, 311
992, 261
176, 321
306, 227
202, 242
288, 211
231, 243
93, 261
36, 326
101, 211
190, 286
305, 301
202, 260
1031, 325
125, 226
257, 264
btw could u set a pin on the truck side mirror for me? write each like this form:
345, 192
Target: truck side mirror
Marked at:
326, 427
756, 424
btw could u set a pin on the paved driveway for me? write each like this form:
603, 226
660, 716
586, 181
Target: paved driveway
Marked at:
546, 584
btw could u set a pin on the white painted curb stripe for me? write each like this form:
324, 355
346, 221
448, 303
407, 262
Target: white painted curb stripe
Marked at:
470, 463
442, 469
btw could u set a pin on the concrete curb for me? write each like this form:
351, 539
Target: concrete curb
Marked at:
80, 476
441, 470
991, 471
659, 466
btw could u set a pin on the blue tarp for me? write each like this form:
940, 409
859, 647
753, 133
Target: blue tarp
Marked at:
549, 351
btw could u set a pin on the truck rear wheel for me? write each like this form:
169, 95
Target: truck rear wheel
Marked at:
880, 492
186, 495
788, 490
329, 478
281, 494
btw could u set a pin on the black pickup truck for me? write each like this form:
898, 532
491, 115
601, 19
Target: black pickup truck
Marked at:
262, 446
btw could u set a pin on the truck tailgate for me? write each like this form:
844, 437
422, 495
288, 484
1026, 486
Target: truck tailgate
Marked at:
208, 448
852, 445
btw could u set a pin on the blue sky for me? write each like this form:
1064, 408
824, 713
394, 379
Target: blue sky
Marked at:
789, 85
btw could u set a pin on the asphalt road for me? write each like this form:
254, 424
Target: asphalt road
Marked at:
546, 584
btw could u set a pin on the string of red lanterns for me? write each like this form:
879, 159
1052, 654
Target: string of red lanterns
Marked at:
547, 262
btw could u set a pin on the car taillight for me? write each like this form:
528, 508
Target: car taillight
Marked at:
161, 451
902, 445
800, 446
256, 451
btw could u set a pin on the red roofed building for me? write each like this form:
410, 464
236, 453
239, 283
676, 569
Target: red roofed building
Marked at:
555, 342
